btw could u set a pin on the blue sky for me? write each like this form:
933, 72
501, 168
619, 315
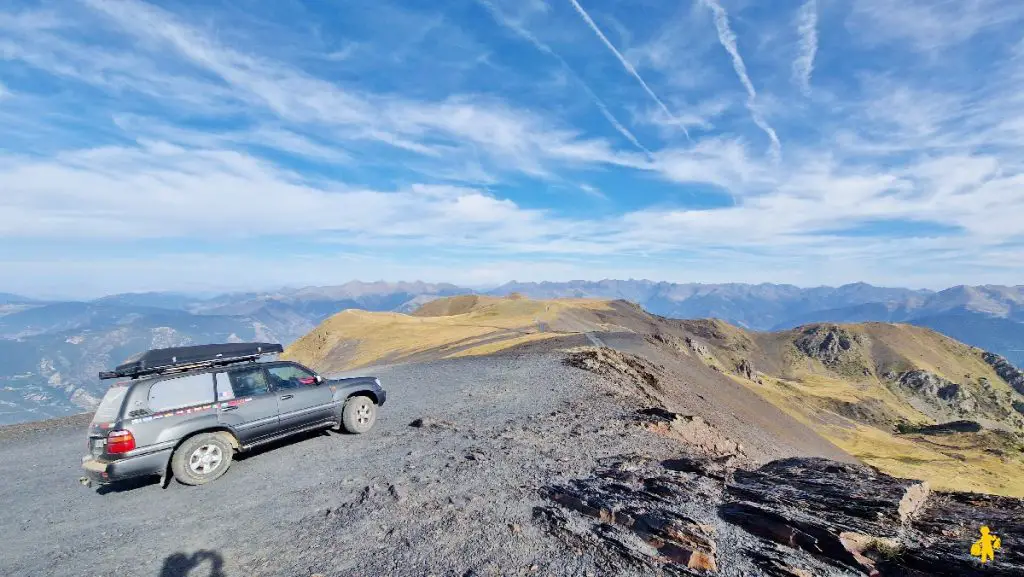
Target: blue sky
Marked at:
251, 144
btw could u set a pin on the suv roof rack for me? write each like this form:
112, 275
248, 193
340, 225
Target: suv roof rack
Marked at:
179, 359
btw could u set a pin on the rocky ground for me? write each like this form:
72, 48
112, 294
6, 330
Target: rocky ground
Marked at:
531, 462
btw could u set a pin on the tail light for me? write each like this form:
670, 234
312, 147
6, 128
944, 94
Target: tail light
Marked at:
120, 442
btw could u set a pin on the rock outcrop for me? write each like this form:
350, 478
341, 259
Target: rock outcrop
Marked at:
699, 436
620, 367
697, 347
799, 516
746, 370
938, 391
1006, 371
830, 344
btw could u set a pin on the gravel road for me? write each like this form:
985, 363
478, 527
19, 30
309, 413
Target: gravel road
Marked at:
453, 498
399, 500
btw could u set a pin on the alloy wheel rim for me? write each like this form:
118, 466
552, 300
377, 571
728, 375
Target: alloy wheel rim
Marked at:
363, 414
205, 459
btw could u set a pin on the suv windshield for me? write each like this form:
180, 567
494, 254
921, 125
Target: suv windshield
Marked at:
110, 405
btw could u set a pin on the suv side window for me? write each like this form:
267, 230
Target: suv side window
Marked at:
290, 377
249, 382
181, 392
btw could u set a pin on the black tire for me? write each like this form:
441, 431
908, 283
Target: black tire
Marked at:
202, 458
358, 415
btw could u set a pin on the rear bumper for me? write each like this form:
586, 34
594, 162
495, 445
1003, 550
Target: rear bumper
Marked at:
102, 472
382, 396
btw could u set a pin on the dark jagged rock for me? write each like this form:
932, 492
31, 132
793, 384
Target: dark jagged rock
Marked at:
802, 517
863, 518
1006, 371
944, 529
634, 517
880, 506
830, 344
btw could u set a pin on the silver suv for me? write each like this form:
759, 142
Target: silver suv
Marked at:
187, 410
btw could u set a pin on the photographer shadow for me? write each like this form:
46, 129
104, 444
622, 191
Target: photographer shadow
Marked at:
198, 564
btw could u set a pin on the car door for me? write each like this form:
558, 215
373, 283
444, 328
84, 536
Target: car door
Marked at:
302, 399
247, 404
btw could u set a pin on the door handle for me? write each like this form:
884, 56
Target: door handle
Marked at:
284, 397
226, 409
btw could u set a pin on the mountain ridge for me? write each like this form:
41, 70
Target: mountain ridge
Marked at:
40, 338
899, 397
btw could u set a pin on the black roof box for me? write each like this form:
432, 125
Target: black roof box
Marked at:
178, 359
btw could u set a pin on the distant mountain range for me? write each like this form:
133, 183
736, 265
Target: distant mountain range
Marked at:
50, 352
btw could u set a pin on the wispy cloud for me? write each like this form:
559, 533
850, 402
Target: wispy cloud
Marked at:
124, 116
728, 41
625, 63
593, 191
807, 28
929, 26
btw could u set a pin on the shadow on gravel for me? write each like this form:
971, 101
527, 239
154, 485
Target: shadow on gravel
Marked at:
140, 482
127, 485
282, 443
198, 564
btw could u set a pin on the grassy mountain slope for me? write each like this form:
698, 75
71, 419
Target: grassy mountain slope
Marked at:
873, 389
455, 326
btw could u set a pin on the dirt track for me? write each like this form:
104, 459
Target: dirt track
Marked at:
451, 499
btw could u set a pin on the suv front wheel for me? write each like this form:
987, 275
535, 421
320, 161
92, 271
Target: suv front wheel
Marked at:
359, 414
202, 458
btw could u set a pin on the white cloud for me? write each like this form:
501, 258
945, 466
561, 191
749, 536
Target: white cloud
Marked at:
931, 26
807, 28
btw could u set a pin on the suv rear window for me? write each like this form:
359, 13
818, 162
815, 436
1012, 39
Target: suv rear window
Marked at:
110, 406
181, 392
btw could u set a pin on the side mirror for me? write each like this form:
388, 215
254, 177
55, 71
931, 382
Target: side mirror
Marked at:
319, 380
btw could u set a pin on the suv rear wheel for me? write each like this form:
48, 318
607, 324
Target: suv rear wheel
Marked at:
359, 414
202, 458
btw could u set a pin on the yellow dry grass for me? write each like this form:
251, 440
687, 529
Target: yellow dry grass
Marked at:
957, 462
354, 338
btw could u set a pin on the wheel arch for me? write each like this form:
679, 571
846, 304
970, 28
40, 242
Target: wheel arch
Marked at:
363, 393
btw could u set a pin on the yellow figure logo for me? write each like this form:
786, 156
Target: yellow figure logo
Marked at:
986, 546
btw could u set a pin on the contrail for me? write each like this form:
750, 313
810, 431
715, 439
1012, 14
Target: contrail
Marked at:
629, 67
618, 126
807, 26
728, 40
